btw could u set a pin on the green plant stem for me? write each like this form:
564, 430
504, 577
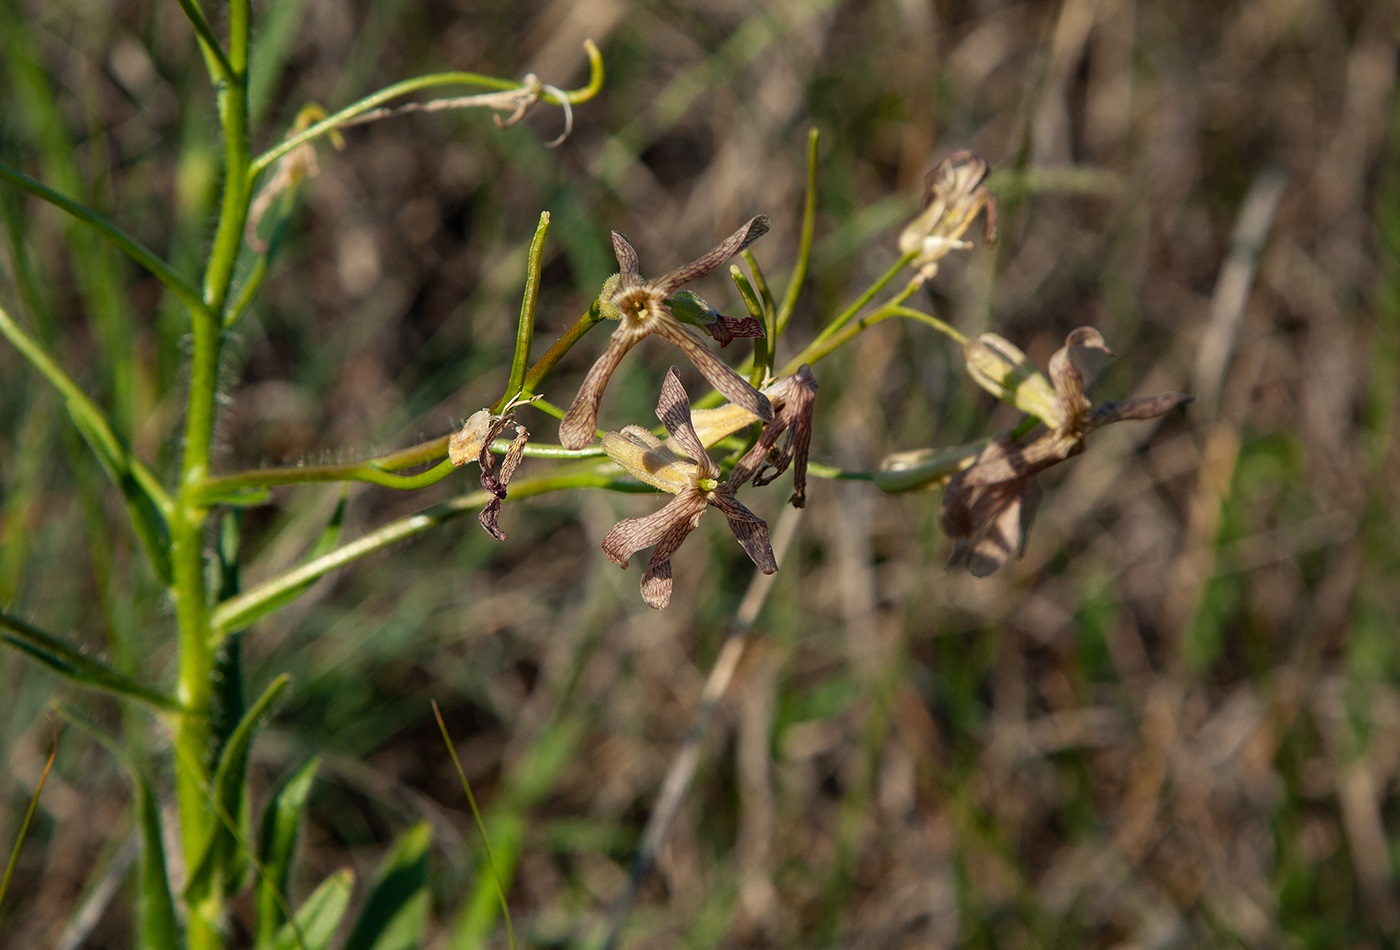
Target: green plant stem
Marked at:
230, 614
189, 591
824, 346
845, 316
561, 346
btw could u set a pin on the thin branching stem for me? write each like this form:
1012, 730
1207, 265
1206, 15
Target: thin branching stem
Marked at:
389, 93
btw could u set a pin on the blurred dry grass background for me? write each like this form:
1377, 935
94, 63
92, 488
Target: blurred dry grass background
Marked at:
1174, 723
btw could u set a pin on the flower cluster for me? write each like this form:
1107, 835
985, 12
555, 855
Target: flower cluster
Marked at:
990, 488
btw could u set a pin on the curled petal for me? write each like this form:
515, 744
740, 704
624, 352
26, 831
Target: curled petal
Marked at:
691, 308
719, 375
751, 231
581, 421
1067, 378
798, 397
750, 530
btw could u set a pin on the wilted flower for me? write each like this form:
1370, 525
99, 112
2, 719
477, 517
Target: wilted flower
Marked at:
643, 307
689, 307
682, 467
954, 194
793, 398
988, 506
472, 443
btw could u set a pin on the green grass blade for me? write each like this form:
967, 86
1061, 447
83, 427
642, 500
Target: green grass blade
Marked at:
397, 906
145, 498
158, 925
28, 818
480, 826
317, 920
277, 839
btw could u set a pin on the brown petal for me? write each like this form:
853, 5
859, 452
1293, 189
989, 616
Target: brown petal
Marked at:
496, 483
581, 421
1146, 407
626, 258
673, 409
748, 528
752, 230
725, 330
1069, 381
666, 529
1001, 515
656, 582
734, 387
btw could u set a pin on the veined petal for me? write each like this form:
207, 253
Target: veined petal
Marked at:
751, 231
656, 581
750, 530
581, 421
666, 529
626, 258
719, 375
673, 409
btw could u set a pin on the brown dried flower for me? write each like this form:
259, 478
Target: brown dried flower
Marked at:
472, 443
954, 194
643, 307
987, 507
680, 465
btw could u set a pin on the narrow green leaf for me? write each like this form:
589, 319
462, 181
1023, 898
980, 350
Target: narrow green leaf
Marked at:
70, 662
157, 923
277, 839
159, 928
145, 498
225, 859
317, 920
397, 907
